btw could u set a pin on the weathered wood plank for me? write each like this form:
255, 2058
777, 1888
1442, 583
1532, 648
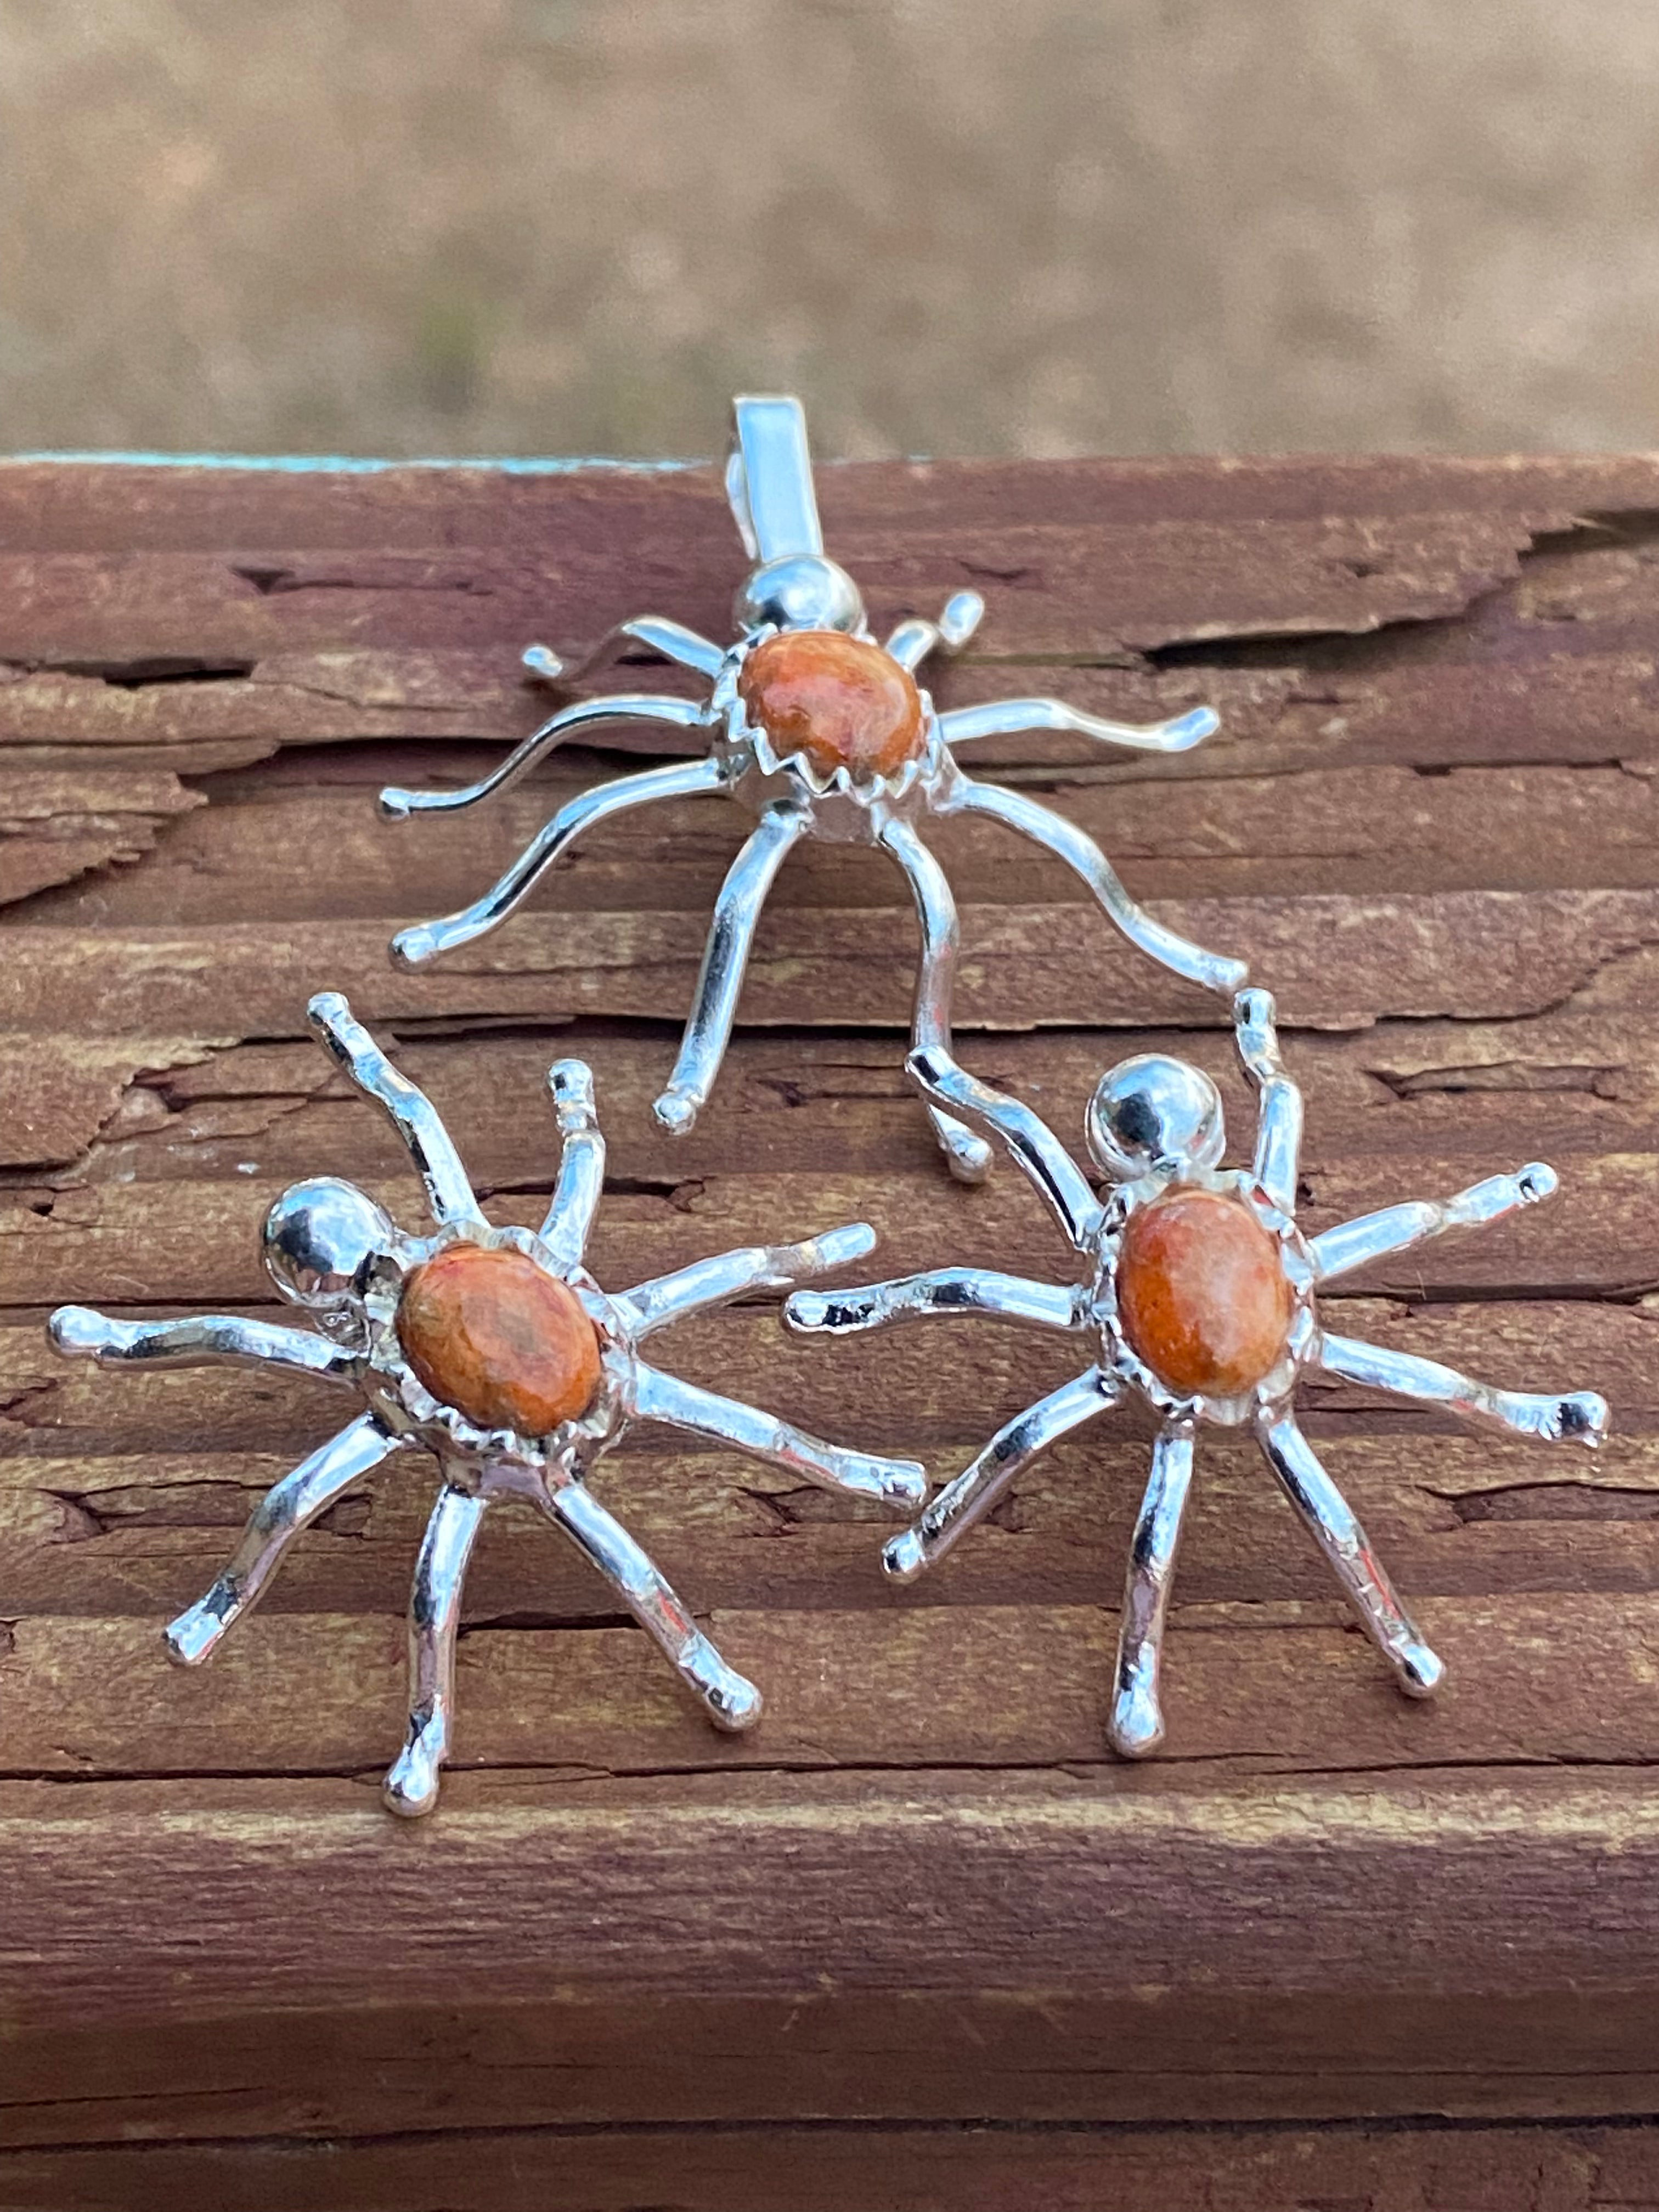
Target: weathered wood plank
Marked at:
1251, 1688
137, 1534
1468, 955
1097, 587
905, 2056
1397, 1090
1523, 1884
923, 1893
1433, 2168
1355, 831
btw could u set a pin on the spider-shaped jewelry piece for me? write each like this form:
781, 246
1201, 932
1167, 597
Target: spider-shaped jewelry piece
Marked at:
1201, 1296
495, 1351
819, 733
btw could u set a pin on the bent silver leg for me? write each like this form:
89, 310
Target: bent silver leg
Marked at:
725, 957
287, 1507
913, 640
434, 1613
653, 1305
1279, 1115
729, 1702
679, 1405
942, 1291
1578, 1416
397, 804
1330, 1521
1136, 1726
414, 1117
424, 940
197, 1342
967, 1157
581, 1183
687, 647
1007, 718
1031, 1143
1085, 858
1397, 1228
978, 1487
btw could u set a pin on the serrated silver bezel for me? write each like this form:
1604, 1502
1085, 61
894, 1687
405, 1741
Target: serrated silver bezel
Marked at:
1119, 1356
409, 1408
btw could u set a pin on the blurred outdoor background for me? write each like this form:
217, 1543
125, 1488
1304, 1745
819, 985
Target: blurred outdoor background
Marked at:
1044, 226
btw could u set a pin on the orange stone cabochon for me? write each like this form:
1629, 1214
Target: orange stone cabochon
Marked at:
499, 1338
1201, 1293
840, 701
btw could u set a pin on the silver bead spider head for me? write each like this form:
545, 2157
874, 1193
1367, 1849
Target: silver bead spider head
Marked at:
1198, 1297
801, 591
1153, 1114
496, 1350
817, 732
322, 1238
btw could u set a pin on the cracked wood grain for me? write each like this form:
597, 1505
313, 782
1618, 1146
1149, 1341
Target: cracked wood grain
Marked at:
1428, 820
1469, 955
1434, 2166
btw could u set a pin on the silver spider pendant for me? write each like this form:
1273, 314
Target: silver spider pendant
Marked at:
496, 1351
1202, 1298
817, 731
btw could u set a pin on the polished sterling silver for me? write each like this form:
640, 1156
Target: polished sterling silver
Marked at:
1156, 1122
332, 1250
794, 587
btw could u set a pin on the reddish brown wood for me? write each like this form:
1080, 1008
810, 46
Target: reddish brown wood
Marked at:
923, 1938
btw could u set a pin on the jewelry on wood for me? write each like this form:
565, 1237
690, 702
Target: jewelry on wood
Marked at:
495, 1351
1201, 1298
817, 732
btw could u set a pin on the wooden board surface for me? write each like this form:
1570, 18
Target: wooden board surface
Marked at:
921, 1939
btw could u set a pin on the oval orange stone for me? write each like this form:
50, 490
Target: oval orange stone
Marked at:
498, 1338
1201, 1293
840, 701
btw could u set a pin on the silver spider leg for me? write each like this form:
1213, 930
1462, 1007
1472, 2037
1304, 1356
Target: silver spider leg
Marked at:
1574, 1417
944, 1290
397, 804
895, 1482
730, 1701
291, 1506
1279, 1122
967, 1157
198, 1341
653, 1305
1031, 1144
1010, 718
434, 1614
982, 1481
1086, 860
1136, 1726
913, 640
724, 957
1397, 1228
424, 940
686, 647
448, 1189
1330, 1521
581, 1183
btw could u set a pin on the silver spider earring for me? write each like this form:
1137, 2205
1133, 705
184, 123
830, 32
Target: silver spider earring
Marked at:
819, 732
495, 1351
1201, 1296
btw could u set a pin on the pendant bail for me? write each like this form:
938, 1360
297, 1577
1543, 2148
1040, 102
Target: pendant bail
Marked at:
768, 479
